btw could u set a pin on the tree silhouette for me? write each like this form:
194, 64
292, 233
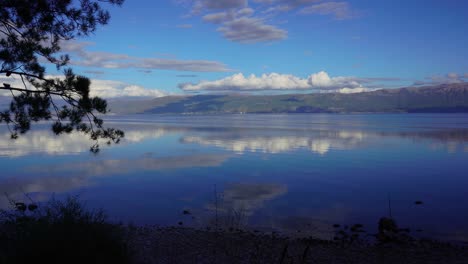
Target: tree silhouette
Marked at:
31, 32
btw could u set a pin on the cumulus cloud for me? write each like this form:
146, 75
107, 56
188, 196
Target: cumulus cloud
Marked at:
322, 80
240, 82
275, 81
82, 57
112, 89
101, 88
339, 10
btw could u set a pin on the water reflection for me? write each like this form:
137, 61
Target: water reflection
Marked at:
234, 139
236, 204
358, 165
124, 166
319, 143
45, 142
65, 177
248, 197
39, 188
316, 224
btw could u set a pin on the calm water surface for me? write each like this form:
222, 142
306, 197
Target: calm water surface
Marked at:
272, 172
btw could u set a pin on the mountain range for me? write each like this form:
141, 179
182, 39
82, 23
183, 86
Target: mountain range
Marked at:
438, 98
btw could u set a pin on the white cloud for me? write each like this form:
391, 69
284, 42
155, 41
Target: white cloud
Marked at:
112, 89
276, 81
82, 57
240, 82
339, 10
354, 90
324, 81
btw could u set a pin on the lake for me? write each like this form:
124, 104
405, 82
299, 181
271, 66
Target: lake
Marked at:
297, 173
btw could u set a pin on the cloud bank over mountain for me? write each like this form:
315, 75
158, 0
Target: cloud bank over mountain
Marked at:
320, 81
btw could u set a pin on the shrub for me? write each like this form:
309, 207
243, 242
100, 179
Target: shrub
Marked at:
60, 232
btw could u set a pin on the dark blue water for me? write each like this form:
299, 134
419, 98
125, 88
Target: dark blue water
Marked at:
271, 172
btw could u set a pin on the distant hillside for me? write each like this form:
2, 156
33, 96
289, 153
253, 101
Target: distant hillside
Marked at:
135, 106
440, 98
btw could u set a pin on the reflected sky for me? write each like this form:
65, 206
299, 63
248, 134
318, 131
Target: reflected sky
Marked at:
286, 172
246, 198
45, 142
319, 143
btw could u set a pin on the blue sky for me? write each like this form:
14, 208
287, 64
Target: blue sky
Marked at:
274, 46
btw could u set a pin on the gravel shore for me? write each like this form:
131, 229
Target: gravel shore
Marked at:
189, 245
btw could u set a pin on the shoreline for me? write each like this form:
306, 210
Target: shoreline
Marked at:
189, 245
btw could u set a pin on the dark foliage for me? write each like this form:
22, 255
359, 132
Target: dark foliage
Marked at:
60, 232
31, 32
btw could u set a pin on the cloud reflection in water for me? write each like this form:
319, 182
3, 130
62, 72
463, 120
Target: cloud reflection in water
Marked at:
247, 197
45, 142
320, 144
65, 177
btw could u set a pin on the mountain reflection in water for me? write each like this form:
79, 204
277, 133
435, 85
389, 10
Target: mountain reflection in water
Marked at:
287, 172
